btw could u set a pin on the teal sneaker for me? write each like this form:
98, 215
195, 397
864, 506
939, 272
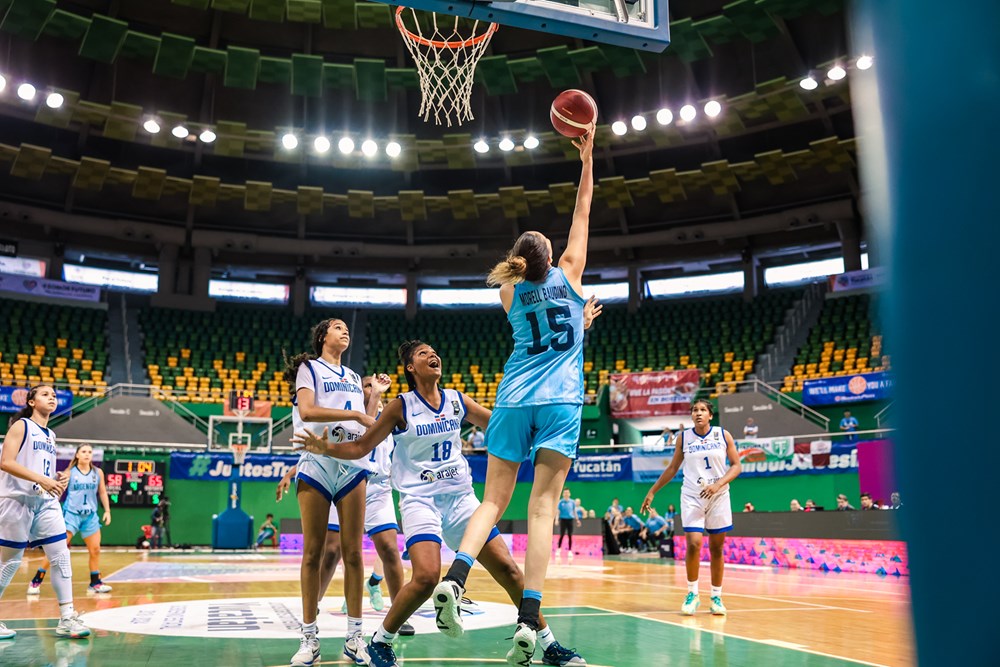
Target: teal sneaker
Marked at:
718, 608
343, 607
7, 633
375, 595
691, 604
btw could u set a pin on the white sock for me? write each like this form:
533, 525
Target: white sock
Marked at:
66, 610
309, 628
693, 587
716, 591
353, 626
383, 636
546, 638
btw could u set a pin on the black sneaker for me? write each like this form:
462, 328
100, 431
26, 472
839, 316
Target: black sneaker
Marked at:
556, 654
406, 630
381, 654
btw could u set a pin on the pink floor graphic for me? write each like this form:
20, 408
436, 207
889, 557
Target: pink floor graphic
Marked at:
865, 556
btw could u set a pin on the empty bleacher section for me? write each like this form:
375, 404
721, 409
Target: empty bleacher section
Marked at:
721, 336
200, 357
846, 340
63, 345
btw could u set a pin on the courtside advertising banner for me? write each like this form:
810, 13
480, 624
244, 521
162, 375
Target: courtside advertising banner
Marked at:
764, 457
876, 276
847, 389
653, 394
50, 288
13, 399
217, 466
586, 468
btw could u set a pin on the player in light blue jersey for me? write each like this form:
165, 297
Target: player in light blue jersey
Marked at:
86, 486
538, 407
708, 457
435, 487
29, 505
329, 394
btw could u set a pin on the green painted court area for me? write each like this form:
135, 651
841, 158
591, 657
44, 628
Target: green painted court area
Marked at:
604, 638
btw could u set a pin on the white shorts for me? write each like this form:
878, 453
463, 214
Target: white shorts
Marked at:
380, 515
706, 515
433, 518
330, 477
30, 522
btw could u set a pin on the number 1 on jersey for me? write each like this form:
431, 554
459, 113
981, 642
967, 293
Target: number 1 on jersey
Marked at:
708, 466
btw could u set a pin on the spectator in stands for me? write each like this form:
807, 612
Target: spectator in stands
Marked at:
669, 516
750, 430
630, 537
810, 505
748, 507
867, 503
666, 436
842, 504
591, 514
655, 529
612, 535
477, 439
567, 517
267, 532
795, 506
615, 506
894, 502
580, 512
849, 425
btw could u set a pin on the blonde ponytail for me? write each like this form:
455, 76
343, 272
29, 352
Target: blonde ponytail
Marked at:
510, 271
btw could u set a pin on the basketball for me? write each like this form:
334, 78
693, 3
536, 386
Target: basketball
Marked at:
573, 112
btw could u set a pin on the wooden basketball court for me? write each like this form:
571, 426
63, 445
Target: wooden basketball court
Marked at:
184, 608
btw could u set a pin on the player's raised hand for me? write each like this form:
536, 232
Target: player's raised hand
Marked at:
585, 144
591, 311
311, 442
381, 383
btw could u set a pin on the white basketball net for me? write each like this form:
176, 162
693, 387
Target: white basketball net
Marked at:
239, 450
446, 62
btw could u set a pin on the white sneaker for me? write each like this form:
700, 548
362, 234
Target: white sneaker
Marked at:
308, 653
34, 589
72, 627
523, 650
558, 553
718, 608
99, 587
569, 555
447, 599
355, 649
6, 633
691, 604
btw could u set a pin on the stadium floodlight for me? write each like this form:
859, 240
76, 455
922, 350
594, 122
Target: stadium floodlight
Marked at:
54, 100
345, 145
180, 132
808, 83
26, 92
688, 112
713, 108
151, 126
836, 73
638, 123
393, 149
289, 141
506, 144
531, 143
207, 136
664, 116
864, 62
321, 144
369, 148
619, 127
481, 146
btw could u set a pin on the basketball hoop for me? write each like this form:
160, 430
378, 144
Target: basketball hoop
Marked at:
239, 450
446, 62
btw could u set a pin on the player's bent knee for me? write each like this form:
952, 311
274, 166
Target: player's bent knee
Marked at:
61, 561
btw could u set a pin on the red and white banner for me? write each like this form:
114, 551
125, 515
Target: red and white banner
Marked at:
653, 394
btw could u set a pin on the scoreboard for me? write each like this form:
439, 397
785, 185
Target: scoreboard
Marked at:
134, 482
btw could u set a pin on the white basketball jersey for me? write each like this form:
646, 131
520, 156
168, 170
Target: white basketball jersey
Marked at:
381, 458
38, 454
428, 458
337, 388
705, 459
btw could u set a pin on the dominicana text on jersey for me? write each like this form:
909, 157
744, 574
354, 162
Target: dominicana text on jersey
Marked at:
546, 365
428, 457
336, 388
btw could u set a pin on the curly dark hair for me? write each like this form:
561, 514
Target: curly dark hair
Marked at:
405, 352
317, 335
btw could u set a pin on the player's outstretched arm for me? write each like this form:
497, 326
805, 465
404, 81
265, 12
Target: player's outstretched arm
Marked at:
574, 258
320, 444
475, 413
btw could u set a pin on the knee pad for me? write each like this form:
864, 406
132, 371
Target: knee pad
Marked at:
60, 561
7, 572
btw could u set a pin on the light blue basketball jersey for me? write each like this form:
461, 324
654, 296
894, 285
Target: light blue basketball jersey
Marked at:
37, 453
428, 458
546, 365
81, 494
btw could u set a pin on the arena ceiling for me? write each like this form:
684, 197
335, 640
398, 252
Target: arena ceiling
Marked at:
775, 170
